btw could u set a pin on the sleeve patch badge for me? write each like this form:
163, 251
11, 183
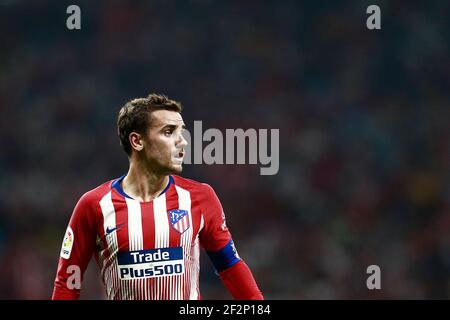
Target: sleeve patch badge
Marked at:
67, 243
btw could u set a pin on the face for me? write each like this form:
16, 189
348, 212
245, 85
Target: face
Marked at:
164, 143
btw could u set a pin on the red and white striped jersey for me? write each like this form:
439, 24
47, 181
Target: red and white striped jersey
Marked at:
145, 250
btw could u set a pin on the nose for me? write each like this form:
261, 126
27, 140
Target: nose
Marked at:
182, 142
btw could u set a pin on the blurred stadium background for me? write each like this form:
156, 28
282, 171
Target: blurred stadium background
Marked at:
364, 134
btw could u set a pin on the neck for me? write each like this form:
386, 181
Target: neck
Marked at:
143, 184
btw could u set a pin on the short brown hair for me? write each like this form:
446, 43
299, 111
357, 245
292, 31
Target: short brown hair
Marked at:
134, 116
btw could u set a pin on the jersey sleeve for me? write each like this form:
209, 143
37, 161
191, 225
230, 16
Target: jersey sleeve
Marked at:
215, 234
217, 241
76, 251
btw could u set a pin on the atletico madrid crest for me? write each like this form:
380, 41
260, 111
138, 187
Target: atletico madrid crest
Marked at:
179, 219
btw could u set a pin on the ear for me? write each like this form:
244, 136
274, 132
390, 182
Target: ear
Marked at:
136, 141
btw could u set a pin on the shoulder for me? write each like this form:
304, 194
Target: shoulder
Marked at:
95, 195
191, 185
198, 190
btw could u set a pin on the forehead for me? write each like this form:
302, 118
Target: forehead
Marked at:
160, 118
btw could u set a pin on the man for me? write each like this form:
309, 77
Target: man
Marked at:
146, 227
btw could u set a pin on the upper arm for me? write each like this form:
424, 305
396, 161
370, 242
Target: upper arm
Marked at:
79, 242
214, 234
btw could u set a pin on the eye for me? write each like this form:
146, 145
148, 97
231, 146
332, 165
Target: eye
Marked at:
168, 133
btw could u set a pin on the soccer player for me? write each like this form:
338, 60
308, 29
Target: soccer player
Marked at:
146, 227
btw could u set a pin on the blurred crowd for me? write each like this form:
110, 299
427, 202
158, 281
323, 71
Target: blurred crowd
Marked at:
364, 134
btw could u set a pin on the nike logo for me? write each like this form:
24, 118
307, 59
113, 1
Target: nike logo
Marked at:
110, 230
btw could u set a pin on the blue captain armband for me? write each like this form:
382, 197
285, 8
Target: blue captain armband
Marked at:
225, 257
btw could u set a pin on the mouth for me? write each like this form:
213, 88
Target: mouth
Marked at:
178, 157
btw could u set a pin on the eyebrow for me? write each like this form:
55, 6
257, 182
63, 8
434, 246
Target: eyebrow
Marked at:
172, 126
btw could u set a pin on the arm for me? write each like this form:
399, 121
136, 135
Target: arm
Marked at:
235, 274
216, 239
76, 252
